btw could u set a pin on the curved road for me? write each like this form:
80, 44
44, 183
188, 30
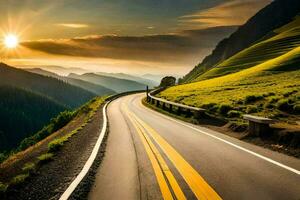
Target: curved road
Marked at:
152, 156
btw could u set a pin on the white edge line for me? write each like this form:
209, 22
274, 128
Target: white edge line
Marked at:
89, 162
232, 144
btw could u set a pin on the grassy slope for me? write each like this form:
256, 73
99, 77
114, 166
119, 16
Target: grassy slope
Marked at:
273, 80
286, 38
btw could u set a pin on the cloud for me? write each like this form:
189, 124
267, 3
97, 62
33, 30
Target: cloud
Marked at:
183, 46
73, 25
230, 13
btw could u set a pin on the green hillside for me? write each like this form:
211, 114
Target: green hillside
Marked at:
94, 88
23, 113
285, 39
116, 84
271, 89
58, 90
277, 14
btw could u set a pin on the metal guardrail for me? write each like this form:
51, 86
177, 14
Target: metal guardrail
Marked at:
157, 101
115, 96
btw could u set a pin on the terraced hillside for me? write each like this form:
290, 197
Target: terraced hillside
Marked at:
271, 89
275, 15
285, 39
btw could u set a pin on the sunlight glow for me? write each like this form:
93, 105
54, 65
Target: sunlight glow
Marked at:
11, 41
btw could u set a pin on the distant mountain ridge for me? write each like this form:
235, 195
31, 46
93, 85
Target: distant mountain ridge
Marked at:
149, 82
57, 90
273, 16
116, 84
94, 88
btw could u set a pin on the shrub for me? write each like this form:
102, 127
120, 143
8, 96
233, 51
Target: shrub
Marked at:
273, 100
45, 157
224, 108
253, 98
55, 124
55, 145
29, 167
234, 113
3, 187
3, 157
269, 105
19, 179
287, 94
251, 109
284, 105
296, 108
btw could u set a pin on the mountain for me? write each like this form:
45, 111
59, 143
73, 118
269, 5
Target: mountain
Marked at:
116, 84
261, 25
57, 90
285, 39
23, 113
62, 71
94, 88
42, 72
145, 81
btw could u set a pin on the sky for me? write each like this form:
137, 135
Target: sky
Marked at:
129, 36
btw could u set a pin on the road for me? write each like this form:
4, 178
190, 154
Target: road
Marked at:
152, 156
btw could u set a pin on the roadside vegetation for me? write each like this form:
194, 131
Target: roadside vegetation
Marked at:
29, 168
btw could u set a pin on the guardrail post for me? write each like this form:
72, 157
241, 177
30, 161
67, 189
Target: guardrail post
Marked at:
179, 111
170, 107
147, 93
188, 112
157, 103
164, 106
152, 100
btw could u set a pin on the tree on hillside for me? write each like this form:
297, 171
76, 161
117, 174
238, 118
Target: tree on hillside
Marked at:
167, 81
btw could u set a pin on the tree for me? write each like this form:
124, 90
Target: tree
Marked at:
167, 81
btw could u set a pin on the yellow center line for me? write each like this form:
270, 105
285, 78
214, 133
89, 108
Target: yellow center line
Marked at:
198, 185
159, 164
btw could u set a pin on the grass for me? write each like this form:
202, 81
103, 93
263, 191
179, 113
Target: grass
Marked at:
287, 38
29, 167
19, 179
3, 187
45, 157
260, 86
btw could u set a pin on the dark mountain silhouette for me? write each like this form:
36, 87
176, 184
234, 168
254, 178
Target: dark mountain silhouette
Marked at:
23, 113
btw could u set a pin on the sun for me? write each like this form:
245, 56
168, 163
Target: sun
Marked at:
11, 41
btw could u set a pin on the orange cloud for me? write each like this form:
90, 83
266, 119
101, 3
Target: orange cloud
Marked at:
180, 47
230, 13
73, 25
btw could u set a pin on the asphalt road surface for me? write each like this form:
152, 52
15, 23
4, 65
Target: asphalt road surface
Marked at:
152, 156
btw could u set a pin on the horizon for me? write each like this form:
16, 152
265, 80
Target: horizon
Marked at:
105, 37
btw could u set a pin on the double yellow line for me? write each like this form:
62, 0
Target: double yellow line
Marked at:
169, 187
